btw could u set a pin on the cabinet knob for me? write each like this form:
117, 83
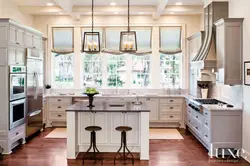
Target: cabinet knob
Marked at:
171, 108
206, 124
206, 135
148, 99
171, 100
17, 43
197, 117
59, 100
171, 116
197, 128
205, 113
59, 115
59, 107
189, 121
17, 133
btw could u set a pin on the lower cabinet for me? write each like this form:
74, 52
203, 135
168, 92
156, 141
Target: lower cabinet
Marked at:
108, 122
222, 129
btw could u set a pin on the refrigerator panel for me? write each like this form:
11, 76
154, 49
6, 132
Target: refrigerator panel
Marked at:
35, 122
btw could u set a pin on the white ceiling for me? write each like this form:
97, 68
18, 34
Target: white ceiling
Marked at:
107, 2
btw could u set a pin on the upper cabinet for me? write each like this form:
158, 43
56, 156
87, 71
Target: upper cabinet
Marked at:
16, 35
33, 41
229, 33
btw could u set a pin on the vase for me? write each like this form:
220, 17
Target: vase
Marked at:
91, 99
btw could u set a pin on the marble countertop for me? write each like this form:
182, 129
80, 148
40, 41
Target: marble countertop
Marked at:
115, 95
220, 108
108, 107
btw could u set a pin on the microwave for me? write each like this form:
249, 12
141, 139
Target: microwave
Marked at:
17, 81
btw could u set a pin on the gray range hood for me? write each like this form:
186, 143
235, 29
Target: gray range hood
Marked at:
206, 57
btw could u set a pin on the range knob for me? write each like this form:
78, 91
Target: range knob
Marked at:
196, 109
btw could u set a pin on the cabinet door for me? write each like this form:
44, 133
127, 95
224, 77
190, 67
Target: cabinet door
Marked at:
132, 120
85, 119
37, 42
20, 56
29, 40
101, 119
12, 35
12, 56
117, 119
153, 105
220, 45
20, 37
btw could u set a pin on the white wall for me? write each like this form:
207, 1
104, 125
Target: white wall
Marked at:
240, 8
9, 10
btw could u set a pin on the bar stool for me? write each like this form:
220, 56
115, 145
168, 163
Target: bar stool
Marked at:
124, 156
93, 130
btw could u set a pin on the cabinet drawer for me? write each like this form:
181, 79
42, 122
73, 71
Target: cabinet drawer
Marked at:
17, 132
171, 101
206, 114
198, 129
189, 111
60, 101
189, 120
169, 107
206, 124
60, 116
206, 136
197, 117
58, 107
170, 117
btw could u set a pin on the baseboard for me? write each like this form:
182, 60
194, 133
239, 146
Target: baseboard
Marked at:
164, 125
246, 156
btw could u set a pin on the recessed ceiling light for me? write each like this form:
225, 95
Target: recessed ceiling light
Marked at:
178, 3
60, 13
171, 12
112, 3
141, 12
50, 4
116, 13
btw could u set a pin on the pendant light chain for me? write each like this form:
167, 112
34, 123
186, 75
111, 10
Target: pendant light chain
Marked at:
128, 15
92, 16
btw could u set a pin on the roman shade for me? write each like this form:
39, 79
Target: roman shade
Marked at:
63, 40
170, 40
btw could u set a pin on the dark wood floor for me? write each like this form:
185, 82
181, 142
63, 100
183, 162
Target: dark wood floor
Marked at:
52, 152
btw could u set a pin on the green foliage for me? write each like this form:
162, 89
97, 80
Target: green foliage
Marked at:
91, 91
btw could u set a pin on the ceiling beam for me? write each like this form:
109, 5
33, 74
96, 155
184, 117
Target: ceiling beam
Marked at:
66, 5
160, 8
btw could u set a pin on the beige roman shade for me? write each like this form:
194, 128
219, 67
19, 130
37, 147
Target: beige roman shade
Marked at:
63, 40
170, 39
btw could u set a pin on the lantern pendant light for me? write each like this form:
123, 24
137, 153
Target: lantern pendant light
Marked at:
91, 40
128, 41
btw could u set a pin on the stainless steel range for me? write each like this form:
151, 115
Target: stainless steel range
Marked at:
196, 104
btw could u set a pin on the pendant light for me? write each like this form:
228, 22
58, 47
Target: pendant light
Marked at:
128, 42
91, 40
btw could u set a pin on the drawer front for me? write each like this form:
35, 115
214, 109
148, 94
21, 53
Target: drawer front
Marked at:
169, 107
60, 108
171, 101
60, 101
19, 131
198, 129
206, 136
170, 117
197, 117
206, 124
189, 120
206, 114
59, 116
189, 111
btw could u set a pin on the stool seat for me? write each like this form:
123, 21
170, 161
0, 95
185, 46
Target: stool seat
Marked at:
123, 128
93, 128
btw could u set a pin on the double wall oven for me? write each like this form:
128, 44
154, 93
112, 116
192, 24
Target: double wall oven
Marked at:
17, 100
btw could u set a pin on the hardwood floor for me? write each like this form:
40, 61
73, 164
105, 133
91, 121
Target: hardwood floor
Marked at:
52, 152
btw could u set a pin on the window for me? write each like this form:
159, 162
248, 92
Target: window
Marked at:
63, 70
140, 71
117, 70
92, 73
62, 57
170, 66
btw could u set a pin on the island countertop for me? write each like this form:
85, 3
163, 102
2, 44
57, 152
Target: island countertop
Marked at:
108, 107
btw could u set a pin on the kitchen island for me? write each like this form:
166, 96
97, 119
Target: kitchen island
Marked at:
108, 116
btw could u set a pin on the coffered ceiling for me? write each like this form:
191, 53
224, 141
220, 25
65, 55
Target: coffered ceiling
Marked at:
76, 8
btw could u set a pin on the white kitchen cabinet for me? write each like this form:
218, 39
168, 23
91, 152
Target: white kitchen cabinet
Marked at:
16, 55
16, 36
85, 119
153, 105
222, 128
229, 35
33, 41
